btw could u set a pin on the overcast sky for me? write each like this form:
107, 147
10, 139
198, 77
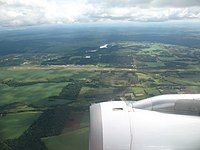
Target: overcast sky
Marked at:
36, 12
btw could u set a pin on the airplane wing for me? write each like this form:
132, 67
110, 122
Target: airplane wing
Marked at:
167, 122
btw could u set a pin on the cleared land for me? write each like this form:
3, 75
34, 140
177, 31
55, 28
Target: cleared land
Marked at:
73, 136
13, 125
45, 101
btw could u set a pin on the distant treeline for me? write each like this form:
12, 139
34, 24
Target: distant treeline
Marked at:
14, 83
69, 92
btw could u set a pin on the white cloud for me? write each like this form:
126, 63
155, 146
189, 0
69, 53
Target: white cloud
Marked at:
27, 12
31, 12
147, 3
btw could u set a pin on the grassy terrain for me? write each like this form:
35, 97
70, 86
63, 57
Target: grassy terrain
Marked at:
74, 139
33, 75
34, 94
12, 126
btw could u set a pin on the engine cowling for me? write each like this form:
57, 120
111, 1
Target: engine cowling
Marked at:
168, 122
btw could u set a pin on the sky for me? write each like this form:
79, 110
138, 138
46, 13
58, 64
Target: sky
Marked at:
14, 13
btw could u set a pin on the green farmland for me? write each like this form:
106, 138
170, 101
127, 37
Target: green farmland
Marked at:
13, 125
44, 104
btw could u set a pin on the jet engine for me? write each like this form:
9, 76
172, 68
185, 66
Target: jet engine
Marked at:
166, 122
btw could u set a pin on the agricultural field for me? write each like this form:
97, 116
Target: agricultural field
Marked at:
45, 99
74, 135
17, 123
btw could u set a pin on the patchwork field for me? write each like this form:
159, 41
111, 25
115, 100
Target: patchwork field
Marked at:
45, 102
13, 125
74, 136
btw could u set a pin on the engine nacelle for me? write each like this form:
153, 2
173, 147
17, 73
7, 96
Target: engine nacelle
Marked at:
167, 122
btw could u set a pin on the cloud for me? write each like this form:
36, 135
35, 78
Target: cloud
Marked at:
150, 15
29, 12
175, 3
147, 3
